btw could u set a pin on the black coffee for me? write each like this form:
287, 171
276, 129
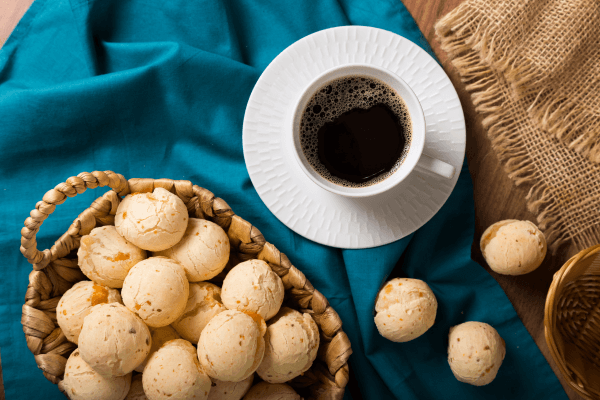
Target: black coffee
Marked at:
355, 131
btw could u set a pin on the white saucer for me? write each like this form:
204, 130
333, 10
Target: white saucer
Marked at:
313, 212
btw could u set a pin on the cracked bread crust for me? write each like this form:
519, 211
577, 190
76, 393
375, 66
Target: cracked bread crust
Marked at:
204, 302
231, 346
113, 340
160, 336
513, 247
475, 352
77, 303
406, 308
203, 251
106, 257
174, 373
291, 345
152, 221
157, 290
253, 286
81, 382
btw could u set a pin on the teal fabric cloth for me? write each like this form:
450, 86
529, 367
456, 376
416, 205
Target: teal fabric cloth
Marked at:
158, 89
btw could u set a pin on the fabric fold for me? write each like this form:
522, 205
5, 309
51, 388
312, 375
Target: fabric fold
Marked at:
155, 89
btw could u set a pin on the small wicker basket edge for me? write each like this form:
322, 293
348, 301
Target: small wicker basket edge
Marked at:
55, 270
572, 322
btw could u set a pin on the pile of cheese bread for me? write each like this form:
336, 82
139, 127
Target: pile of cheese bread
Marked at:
148, 325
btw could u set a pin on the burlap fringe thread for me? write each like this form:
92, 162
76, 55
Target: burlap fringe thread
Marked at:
55, 271
464, 30
471, 44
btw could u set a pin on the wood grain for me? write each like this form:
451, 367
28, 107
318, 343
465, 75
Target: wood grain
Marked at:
496, 198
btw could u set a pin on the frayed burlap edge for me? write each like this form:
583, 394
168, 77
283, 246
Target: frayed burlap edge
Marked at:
469, 41
466, 28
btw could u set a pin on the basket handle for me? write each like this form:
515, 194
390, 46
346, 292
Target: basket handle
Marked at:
70, 188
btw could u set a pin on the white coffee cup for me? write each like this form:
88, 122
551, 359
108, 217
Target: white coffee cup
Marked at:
415, 158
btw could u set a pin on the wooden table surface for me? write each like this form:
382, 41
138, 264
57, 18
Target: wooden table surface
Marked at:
496, 197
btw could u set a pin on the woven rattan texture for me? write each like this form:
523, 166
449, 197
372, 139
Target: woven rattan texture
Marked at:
572, 322
56, 270
525, 70
579, 316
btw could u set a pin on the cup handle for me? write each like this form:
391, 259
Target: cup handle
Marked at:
436, 166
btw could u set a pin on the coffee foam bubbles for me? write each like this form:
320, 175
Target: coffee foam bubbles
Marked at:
342, 95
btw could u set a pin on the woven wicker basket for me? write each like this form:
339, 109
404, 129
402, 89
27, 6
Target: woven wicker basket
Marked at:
572, 322
55, 271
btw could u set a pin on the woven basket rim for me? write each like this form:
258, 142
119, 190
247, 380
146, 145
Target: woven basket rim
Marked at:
574, 266
54, 272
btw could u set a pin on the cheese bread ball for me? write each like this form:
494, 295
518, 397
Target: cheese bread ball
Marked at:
291, 345
231, 346
173, 373
405, 308
272, 391
203, 251
136, 392
152, 221
253, 286
113, 340
475, 352
157, 290
222, 390
513, 247
106, 257
76, 304
204, 302
159, 336
81, 382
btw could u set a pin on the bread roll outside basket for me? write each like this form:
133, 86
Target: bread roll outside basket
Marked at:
55, 270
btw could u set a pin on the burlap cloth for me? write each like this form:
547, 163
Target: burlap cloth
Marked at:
533, 70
